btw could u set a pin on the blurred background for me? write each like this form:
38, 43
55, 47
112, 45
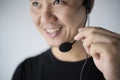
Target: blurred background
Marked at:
20, 39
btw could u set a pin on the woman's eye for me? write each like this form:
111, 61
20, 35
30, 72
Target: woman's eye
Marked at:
60, 2
35, 4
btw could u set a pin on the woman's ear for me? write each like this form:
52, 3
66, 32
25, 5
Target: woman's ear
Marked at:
88, 4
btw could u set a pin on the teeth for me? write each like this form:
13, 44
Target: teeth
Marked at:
52, 30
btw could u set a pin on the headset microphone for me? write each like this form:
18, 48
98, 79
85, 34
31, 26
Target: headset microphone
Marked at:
66, 46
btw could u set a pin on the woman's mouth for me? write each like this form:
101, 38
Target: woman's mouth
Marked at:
53, 32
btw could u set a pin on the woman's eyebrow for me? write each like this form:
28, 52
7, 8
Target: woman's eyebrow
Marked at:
33, 0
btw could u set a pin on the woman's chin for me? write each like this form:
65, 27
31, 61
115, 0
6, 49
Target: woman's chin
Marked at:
54, 44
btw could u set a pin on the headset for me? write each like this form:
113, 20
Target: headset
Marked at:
88, 5
67, 46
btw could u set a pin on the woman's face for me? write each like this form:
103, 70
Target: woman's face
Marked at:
58, 23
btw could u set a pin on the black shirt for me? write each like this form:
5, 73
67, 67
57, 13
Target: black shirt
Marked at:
46, 67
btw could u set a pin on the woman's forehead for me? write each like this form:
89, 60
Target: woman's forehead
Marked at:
59, 0
70, 2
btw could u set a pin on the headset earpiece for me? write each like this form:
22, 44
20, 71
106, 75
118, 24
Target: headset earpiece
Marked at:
87, 5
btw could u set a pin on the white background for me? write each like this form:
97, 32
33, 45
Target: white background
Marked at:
20, 39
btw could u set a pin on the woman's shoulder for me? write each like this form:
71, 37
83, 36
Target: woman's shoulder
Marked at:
38, 58
29, 68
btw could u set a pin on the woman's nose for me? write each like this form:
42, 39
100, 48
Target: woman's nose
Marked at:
48, 15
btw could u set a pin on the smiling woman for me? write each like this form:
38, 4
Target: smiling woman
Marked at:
50, 20
59, 21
